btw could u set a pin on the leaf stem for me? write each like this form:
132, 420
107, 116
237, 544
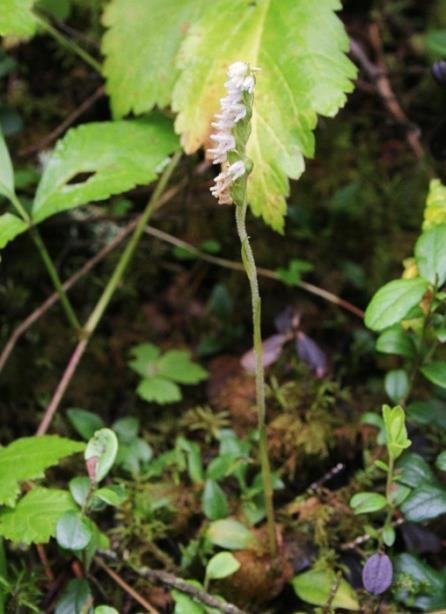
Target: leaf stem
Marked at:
67, 43
118, 273
48, 262
106, 296
251, 272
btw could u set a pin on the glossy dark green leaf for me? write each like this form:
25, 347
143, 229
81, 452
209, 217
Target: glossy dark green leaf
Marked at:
426, 589
414, 471
396, 341
72, 531
425, 503
435, 373
76, 598
397, 385
85, 422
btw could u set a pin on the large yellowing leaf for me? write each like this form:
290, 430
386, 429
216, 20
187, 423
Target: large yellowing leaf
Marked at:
141, 46
16, 18
95, 161
300, 47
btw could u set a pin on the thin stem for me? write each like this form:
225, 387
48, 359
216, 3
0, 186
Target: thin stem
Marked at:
68, 44
116, 277
69, 311
251, 272
48, 262
106, 296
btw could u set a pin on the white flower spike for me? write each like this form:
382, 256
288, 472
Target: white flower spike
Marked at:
233, 110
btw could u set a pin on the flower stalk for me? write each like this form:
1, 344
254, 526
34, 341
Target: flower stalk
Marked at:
232, 133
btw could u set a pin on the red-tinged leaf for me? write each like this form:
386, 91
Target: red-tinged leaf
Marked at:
377, 574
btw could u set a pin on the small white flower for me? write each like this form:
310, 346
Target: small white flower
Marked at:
232, 111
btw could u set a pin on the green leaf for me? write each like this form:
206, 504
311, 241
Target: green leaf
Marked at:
424, 503
126, 429
10, 227
112, 495
393, 301
185, 604
77, 597
16, 18
435, 42
396, 433
292, 86
214, 502
440, 461
395, 341
145, 356
432, 412
367, 502
34, 519
79, 489
60, 9
159, 390
100, 454
221, 565
389, 536
397, 385
315, 587
85, 422
105, 609
27, 459
430, 254
118, 155
72, 531
6, 170
418, 585
230, 534
435, 373
177, 365
414, 471
151, 33
293, 274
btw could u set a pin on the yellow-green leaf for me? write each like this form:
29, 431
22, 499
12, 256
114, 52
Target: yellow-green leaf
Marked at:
435, 210
16, 18
10, 227
140, 46
300, 47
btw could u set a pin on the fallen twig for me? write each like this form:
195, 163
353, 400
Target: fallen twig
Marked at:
126, 587
237, 266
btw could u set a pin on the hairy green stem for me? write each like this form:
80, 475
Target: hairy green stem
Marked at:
48, 262
251, 272
67, 43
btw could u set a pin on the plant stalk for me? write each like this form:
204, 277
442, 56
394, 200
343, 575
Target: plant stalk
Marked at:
251, 272
106, 296
67, 43
48, 262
